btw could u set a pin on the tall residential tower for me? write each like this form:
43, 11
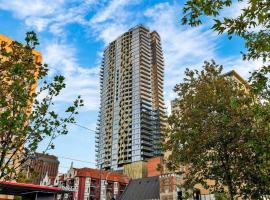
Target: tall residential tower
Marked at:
132, 105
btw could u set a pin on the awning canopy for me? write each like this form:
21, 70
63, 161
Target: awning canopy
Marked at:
30, 191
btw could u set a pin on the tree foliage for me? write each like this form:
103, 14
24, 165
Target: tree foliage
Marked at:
26, 114
221, 133
252, 24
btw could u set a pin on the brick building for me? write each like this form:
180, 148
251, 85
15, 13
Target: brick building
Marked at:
42, 165
154, 166
170, 182
87, 182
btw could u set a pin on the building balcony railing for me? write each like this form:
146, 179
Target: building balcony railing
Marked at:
146, 122
147, 149
147, 154
146, 132
147, 143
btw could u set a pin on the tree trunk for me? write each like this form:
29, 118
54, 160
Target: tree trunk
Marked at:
228, 178
230, 192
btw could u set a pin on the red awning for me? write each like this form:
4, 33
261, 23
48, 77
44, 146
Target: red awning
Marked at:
13, 188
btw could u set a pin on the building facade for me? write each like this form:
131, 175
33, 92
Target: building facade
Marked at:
91, 184
40, 167
132, 105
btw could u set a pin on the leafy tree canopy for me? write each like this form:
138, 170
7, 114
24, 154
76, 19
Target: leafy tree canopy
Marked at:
220, 131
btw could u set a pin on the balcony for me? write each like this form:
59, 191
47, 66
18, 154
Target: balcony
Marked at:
146, 122
147, 131
146, 154
147, 143
147, 149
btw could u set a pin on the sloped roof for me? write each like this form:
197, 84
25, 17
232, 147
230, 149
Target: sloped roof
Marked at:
142, 189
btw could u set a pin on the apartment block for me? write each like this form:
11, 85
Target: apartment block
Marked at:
132, 105
90, 184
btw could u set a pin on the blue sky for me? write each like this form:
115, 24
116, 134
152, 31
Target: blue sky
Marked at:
73, 34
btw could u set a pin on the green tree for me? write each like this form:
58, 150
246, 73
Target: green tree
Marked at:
26, 114
221, 133
252, 24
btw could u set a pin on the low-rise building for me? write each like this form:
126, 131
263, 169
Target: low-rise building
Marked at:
91, 184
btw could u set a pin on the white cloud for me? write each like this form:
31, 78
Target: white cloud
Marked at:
53, 15
38, 23
113, 10
109, 31
235, 10
79, 80
112, 20
30, 8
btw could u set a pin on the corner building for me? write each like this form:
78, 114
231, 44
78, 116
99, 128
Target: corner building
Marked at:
132, 105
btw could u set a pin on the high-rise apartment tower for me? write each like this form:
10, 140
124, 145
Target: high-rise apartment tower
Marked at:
132, 105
